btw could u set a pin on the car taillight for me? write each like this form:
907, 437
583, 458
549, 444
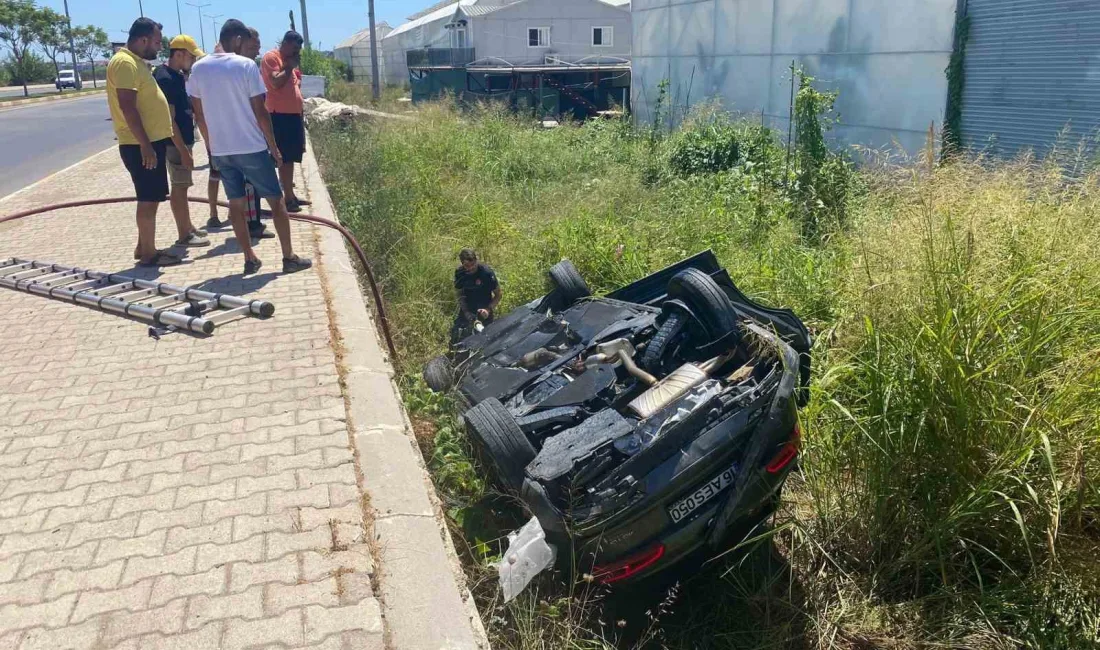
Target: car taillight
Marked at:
787, 453
632, 565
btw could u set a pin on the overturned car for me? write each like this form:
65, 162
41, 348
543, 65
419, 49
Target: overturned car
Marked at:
642, 426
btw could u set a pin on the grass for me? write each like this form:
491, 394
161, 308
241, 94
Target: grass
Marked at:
949, 490
52, 93
360, 93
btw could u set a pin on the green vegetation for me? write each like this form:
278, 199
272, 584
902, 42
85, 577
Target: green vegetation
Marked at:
333, 70
949, 490
359, 92
23, 24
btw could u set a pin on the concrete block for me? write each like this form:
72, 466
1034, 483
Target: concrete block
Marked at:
374, 401
391, 474
413, 555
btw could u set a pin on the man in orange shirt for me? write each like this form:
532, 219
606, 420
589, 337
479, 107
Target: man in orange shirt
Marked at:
283, 80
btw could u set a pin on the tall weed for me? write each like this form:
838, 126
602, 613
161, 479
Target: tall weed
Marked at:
949, 490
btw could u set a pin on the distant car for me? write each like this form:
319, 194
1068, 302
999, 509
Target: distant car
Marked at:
640, 426
67, 79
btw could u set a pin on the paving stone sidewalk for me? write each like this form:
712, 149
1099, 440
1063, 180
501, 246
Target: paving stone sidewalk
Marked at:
191, 492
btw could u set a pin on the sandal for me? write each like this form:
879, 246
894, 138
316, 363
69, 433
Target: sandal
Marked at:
161, 258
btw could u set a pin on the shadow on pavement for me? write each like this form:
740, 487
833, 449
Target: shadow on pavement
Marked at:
237, 284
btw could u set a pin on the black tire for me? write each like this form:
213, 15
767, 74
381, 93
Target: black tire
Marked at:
439, 375
568, 283
711, 305
662, 342
500, 442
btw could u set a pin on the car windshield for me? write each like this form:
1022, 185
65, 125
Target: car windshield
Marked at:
66, 74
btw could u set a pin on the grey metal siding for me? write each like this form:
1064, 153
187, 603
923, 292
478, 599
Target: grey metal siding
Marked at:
1032, 69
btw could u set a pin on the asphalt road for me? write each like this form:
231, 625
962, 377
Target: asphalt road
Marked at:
40, 139
14, 92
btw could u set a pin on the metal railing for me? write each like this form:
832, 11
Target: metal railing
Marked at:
431, 57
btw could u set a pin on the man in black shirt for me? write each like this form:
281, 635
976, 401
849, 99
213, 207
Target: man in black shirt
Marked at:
171, 77
478, 293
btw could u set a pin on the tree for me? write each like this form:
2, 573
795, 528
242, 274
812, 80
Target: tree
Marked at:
53, 37
165, 51
88, 41
21, 24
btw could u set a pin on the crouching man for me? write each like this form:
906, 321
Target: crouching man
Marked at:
478, 293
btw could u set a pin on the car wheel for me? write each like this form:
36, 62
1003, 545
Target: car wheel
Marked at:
438, 374
568, 283
663, 342
711, 305
500, 442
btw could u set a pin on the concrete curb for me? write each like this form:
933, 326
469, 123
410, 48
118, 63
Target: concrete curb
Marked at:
51, 98
425, 602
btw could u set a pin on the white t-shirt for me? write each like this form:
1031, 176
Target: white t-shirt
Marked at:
225, 83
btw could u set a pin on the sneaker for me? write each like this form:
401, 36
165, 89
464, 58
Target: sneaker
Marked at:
293, 206
252, 266
161, 258
260, 233
193, 240
295, 264
213, 223
201, 232
303, 201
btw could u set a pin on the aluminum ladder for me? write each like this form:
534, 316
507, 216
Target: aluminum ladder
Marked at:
154, 302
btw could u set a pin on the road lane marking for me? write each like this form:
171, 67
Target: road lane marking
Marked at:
38, 182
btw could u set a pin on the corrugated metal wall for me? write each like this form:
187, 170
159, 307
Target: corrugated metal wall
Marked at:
1032, 69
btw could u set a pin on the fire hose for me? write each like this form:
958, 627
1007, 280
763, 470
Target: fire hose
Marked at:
306, 218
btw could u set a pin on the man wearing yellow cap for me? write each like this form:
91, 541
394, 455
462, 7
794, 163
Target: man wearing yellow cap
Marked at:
172, 79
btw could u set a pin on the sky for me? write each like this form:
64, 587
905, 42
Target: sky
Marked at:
330, 21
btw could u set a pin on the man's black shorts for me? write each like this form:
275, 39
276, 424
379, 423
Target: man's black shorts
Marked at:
290, 135
149, 184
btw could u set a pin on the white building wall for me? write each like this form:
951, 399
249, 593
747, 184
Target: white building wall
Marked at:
885, 57
358, 56
503, 33
431, 34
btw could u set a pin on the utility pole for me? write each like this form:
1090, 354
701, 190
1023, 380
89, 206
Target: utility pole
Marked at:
179, 20
375, 88
214, 24
72, 48
292, 27
305, 24
199, 9
141, 9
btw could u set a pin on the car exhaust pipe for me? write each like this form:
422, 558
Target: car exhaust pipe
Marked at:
675, 385
620, 351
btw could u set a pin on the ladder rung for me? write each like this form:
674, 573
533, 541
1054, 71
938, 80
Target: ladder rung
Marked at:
111, 290
228, 315
65, 282
82, 286
29, 273
8, 270
154, 302
157, 303
135, 296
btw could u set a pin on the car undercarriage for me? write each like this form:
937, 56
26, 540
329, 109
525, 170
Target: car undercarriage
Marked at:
642, 425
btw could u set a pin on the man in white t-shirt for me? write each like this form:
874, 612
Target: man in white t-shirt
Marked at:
227, 93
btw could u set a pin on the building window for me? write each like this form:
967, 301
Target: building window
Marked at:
538, 37
460, 37
603, 36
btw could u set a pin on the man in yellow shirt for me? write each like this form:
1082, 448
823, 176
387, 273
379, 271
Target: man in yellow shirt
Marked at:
143, 125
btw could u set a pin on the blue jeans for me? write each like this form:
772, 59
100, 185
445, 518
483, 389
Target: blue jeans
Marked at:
258, 168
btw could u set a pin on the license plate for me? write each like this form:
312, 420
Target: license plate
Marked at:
694, 501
